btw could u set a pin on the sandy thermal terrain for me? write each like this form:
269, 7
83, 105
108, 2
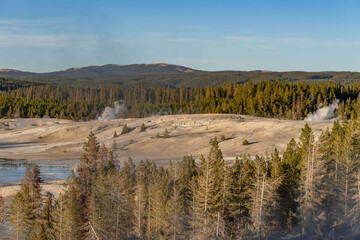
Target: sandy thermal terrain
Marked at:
53, 139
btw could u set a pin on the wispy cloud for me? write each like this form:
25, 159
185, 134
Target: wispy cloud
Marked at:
22, 33
341, 43
271, 43
34, 22
42, 40
190, 40
240, 38
26, 25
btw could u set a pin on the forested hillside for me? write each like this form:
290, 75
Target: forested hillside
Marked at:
265, 99
311, 192
7, 84
160, 75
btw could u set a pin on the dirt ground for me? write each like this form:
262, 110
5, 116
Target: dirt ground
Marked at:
54, 139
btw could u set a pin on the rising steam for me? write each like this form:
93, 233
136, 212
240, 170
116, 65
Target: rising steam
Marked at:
110, 113
323, 113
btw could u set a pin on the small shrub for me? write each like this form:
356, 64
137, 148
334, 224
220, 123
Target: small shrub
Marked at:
245, 142
166, 133
125, 129
157, 135
115, 135
142, 128
223, 138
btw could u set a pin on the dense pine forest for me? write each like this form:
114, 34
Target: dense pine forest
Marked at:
311, 192
266, 99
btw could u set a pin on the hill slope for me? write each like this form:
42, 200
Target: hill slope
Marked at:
105, 70
54, 139
162, 74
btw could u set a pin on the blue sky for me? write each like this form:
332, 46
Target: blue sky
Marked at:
41, 36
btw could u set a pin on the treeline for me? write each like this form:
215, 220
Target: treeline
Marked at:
99, 76
7, 84
265, 99
311, 192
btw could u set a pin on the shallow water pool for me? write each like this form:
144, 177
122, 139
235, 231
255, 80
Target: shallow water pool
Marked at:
13, 171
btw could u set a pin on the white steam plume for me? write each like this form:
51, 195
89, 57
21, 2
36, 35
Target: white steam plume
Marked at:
323, 113
110, 113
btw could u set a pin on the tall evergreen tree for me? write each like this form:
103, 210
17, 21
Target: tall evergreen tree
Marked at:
47, 216
208, 194
87, 167
354, 215
187, 174
158, 197
177, 217
312, 187
22, 214
35, 190
107, 205
240, 189
127, 183
68, 214
38, 232
263, 198
141, 200
289, 188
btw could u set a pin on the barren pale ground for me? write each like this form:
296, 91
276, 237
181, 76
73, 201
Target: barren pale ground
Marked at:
54, 139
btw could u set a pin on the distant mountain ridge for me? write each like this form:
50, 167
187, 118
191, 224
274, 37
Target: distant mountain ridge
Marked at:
105, 70
170, 75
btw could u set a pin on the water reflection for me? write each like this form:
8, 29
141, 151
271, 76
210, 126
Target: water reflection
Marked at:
12, 171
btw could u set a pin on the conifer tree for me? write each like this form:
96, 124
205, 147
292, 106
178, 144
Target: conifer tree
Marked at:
240, 188
142, 128
349, 163
159, 194
187, 175
312, 187
35, 190
175, 208
208, 194
68, 214
25, 208
47, 216
87, 168
106, 219
125, 129
263, 198
141, 200
339, 150
289, 188
354, 215
127, 182
335, 151
227, 194
38, 232
276, 170
22, 214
